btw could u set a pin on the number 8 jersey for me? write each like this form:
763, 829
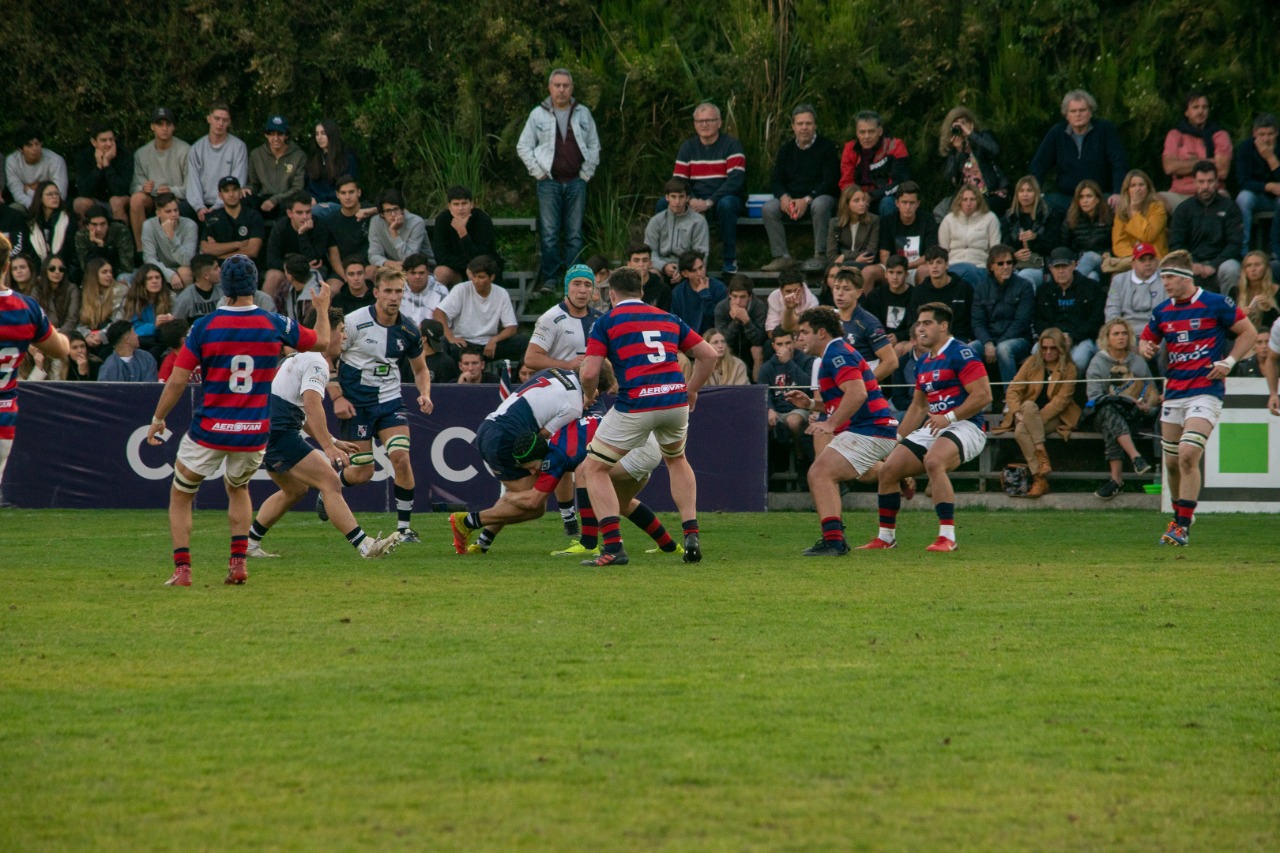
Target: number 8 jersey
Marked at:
238, 350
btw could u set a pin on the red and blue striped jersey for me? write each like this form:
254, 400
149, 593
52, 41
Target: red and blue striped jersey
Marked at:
22, 323
567, 450
238, 350
1195, 334
942, 377
842, 363
641, 343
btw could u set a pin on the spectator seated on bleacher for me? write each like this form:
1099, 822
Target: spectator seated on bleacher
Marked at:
970, 154
1080, 148
471, 367
967, 233
1003, 307
1086, 229
346, 230
51, 228
56, 293
277, 169
788, 301
806, 181
1196, 137
715, 166
740, 317
480, 315
205, 293
905, 232
675, 230
356, 292
100, 298
1255, 292
890, 303
600, 298
461, 232
1122, 400
23, 276
1140, 217
127, 362
396, 233
939, 285
695, 298
786, 368
729, 369
853, 237
213, 157
878, 163
1040, 399
103, 174
1136, 291
30, 164
160, 166
235, 228
1073, 304
657, 292
442, 367
1209, 226
81, 365
329, 162
169, 242
1032, 228
300, 285
147, 303
103, 237
1258, 169
296, 234
422, 292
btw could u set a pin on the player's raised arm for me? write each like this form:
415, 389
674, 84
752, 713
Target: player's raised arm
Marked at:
320, 301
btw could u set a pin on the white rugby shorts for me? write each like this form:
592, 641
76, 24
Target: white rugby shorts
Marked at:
204, 461
969, 435
629, 430
1204, 406
862, 451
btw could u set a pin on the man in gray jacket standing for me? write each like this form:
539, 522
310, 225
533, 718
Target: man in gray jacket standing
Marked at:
561, 149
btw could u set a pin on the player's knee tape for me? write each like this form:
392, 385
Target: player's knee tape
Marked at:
676, 453
185, 486
604, 454
398, 442
1196, 439
361, 458
1170, 448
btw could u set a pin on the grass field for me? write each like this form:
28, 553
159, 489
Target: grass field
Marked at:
1061, 682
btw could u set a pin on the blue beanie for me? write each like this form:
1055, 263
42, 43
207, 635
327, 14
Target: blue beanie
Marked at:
239, 276
578, 271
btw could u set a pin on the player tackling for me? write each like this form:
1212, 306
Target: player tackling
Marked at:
1193, 324
237, 348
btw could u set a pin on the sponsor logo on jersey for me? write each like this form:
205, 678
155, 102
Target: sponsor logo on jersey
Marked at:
238, 426
659, 390
364, 325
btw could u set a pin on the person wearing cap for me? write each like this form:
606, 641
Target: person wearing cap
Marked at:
475, 312
276, 168
442, 366
1194, 325
31, 163
559, 337
1072, 303
212, 158
237, 349
1137, 290
235, 228
160, 166
127, 362
104, 174
1209, 226
169, 241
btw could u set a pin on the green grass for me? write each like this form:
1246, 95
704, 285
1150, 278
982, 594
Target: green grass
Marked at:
1059, 683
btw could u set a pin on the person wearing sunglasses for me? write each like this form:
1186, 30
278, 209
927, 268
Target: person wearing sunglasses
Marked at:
1003, 306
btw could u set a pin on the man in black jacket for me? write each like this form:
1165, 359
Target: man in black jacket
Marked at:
806, 182
1079, 148
1210, 227
1072, 303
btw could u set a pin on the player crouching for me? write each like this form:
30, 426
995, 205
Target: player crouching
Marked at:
297, 406
941, 430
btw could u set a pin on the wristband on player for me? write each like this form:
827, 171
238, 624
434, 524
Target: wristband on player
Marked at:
951, 417
1229, 361
157, 421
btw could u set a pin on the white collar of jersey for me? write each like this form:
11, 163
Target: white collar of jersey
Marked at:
829, 343
1192, 298
236, 307
943, 348
625, 301
4, 291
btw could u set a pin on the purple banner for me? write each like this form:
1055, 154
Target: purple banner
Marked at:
83, 446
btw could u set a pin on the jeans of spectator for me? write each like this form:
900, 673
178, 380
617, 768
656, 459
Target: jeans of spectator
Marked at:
971, 273
325, 209
1090, 265
888, 206
1009, 356
1082, 353
1058, 201
560, 209
1033, 276
1249, 201
820, 210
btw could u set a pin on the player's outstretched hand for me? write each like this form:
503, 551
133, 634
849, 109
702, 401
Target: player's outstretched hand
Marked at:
425, 404
799, 399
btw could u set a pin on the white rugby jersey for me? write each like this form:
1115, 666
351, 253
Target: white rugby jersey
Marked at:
369, 367
306, 371
549, 400
562, 335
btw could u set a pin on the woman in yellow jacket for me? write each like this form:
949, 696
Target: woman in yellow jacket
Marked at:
1141, 217
1041, 398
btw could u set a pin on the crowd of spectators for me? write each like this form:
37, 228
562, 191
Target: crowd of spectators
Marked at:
1043, 271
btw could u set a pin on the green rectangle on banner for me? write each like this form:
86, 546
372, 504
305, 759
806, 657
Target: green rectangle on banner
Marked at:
1243, 449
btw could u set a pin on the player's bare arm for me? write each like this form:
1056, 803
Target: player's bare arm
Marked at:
1246, 335
169, 397
422, 379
